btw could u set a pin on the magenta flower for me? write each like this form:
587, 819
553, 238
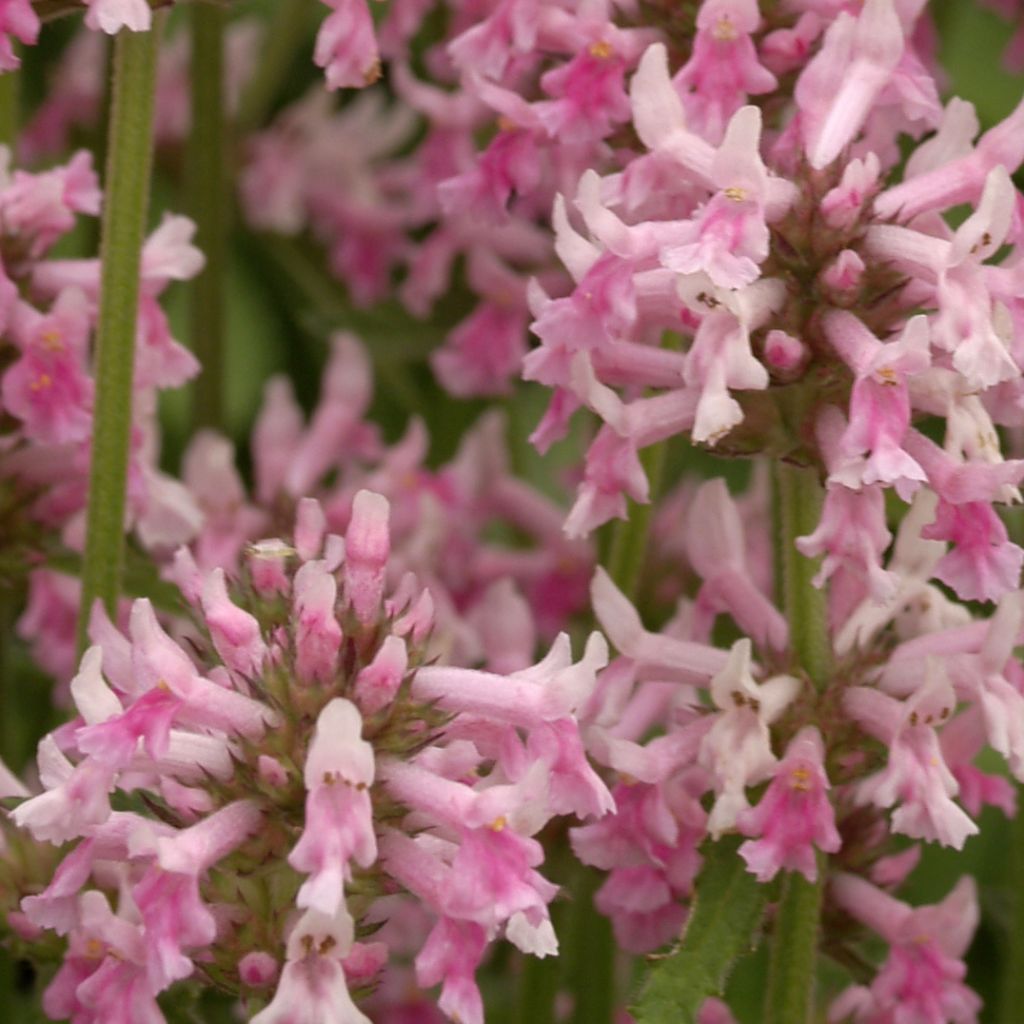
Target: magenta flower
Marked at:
346, 47
794, 816
924, 973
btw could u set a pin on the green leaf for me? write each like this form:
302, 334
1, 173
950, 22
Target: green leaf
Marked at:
723, 924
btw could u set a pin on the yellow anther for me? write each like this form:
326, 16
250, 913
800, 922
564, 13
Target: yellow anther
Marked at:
42, 382
735, 193
887, 375
601, 50
724, 30
51, 339
800, 779
499, 823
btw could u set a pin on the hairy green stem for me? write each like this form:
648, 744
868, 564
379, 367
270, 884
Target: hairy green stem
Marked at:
793, 961
798, 500
125, 204
792, 972
210, 206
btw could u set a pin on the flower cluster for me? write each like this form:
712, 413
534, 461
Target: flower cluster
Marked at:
884, 749
751, 228
297, 771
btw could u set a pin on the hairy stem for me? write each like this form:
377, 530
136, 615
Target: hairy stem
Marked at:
798, 500
210, 206
792, 972
126, 198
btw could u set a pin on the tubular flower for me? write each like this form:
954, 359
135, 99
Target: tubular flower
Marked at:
313, 776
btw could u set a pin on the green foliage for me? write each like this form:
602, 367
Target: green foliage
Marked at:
723, 925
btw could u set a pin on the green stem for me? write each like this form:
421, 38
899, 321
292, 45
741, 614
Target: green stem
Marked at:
792, 970
538, 990
7, 689
798, 498
209, 203
286, 33
591, 954
1011, 995
10, 100
125, 204
628, 547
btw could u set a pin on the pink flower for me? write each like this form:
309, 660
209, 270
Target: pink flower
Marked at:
318, 634
450, 956
836, 91
880, 402
916, 776
590, 95
983, 564
174, 915
367, 546
346, 47
339, 819
111, 16
737, 748
312, 988
723, 69
76, 796
378, 683
19, 20
923, 978
728, 237
794, 816
715, 546
236, 633
484, 352
48, 387
40, 208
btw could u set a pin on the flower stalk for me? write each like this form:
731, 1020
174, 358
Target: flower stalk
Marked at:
791, 983
628, 547
129, 159
209, 203
10, 96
